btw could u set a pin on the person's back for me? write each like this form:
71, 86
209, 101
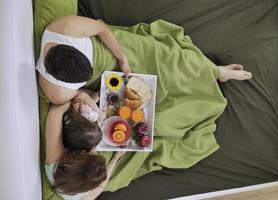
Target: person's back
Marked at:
73, 31
64, 65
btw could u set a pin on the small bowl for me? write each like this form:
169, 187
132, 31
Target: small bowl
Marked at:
107, 130
113, 98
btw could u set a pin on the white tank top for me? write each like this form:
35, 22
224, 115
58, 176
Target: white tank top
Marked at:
83, 44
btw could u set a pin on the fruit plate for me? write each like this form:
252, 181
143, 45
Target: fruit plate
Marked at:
133, 143
107, 130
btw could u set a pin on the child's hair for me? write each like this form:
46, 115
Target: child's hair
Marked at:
80, 134
79, 172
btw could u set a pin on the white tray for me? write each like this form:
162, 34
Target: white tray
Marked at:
148, 111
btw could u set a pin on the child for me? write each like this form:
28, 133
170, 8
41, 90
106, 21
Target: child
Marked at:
74, 174
81, 123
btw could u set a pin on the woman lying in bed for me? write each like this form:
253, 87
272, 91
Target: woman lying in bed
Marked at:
72, 166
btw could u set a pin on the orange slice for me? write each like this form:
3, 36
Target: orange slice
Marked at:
137, 116
120, 127
118, 136
124, 112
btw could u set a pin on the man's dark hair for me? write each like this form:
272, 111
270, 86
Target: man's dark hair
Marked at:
68, 64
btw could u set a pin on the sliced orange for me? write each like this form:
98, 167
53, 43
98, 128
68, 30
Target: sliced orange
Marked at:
118, 136
137, 116
124, 112
120, 127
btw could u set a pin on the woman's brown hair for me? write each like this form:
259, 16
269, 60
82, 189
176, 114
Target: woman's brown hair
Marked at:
79, 133
79, 172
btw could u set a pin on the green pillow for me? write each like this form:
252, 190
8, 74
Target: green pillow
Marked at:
45, 11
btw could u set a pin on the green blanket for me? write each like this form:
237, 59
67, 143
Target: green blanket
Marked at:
231, 31
188, 99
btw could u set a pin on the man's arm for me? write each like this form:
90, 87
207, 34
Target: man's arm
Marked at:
53, 133
77, 26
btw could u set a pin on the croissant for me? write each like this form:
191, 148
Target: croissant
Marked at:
131, 95
133, 104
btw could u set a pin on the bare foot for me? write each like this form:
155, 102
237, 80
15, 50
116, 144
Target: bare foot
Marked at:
233, 71
233, 67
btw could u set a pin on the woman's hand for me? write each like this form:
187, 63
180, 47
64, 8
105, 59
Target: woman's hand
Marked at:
118, 154
123, 63
102, 114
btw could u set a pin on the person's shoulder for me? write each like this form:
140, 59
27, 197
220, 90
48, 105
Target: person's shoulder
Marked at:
57, 28
63, 26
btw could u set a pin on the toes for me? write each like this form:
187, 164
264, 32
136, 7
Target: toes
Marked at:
248, 75
236, 66
240, 67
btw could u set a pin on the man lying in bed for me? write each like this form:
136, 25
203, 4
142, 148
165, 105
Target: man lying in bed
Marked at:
66, 57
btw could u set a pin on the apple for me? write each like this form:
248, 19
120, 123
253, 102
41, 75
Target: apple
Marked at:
144, 141
141, 128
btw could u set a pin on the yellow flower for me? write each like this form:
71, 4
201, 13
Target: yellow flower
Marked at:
114, 82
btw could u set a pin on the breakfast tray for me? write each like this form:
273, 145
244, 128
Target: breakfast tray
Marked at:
147, 108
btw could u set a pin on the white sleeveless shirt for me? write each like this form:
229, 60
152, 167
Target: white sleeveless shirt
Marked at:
83, 44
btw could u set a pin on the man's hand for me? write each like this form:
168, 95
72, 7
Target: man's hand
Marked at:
123, 63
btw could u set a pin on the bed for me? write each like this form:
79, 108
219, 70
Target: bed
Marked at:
229, 31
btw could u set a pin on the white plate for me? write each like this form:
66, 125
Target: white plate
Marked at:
106, 129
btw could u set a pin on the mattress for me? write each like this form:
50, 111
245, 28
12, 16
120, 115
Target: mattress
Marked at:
227, 31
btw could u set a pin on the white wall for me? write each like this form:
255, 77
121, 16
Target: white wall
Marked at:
19, 125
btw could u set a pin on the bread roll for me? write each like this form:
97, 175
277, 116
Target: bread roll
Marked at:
133, 104
139, 87
130, 94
